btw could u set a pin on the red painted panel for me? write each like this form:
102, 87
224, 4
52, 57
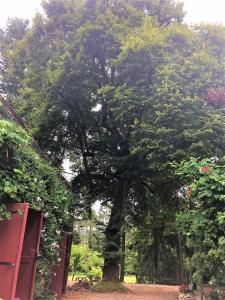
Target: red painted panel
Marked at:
11, 241
58, 271
67, 262
27, 271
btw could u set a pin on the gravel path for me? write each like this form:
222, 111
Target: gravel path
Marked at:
137, 292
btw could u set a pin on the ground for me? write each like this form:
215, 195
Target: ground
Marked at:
137, 292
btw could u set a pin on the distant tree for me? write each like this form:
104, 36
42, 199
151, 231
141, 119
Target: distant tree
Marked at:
11, 70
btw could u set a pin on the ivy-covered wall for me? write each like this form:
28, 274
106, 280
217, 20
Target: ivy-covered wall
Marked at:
26, 177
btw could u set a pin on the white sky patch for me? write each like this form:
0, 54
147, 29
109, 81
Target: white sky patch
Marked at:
197, 10
212, 11
68, 173
97, 107
25, 9
96, 206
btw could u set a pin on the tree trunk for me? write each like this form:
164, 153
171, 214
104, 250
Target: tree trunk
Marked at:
156, 233
183, 275
122, 265
112, 250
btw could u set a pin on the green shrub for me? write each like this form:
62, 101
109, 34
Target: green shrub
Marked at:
86, 261
202, 218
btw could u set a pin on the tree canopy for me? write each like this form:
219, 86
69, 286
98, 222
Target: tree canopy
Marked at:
120, 87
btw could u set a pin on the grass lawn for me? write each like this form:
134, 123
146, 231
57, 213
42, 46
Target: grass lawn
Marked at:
130, 279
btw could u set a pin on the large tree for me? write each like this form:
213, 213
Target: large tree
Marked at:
117, 86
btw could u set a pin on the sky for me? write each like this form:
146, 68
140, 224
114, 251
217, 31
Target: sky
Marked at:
18, 8
204, 11
197, 10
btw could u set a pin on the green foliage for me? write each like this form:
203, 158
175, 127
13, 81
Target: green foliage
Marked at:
202, 219
130, 279
25, 177
110, 84
130, 259
4, 214
86, 261
152, 251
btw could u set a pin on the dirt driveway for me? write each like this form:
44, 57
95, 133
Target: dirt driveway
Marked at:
137, 292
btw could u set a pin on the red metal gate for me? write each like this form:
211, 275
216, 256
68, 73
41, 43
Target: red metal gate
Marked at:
27, 271
61, 270
11, 240
67, 261
19, 245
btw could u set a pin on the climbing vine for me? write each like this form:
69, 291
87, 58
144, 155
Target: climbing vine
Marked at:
26, 177
202, 219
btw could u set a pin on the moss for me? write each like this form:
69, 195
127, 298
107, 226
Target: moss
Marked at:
109, 286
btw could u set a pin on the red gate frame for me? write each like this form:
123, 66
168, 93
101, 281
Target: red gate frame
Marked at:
19, 240
28, 262
61, 270
11, 239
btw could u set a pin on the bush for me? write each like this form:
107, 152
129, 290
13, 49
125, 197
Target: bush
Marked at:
86, 261
202, 219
